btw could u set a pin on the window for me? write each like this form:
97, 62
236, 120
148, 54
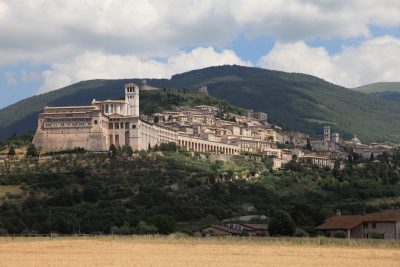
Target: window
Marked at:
95, 122
133, 126
122, 125
110, 126
116, 125
373, 225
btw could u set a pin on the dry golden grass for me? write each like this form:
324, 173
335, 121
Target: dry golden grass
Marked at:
144, 251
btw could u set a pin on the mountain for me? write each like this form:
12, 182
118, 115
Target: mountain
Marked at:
296, 101
379, 87
385, 90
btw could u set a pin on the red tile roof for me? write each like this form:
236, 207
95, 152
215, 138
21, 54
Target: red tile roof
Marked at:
345, 222
226, 229
255, 226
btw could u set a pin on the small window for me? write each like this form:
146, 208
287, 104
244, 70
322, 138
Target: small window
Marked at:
133, 126
95, 122
373, 225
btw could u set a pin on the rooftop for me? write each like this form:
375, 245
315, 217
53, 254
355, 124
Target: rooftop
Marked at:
350, 221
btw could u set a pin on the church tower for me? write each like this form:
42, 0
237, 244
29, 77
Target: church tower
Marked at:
132, 99
327, 133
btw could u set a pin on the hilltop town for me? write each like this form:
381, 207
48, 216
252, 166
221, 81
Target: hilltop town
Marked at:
205, 129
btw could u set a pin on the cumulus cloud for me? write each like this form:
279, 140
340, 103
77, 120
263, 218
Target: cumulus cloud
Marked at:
92, 65
10, 78
81, 39
371, 61
47, 30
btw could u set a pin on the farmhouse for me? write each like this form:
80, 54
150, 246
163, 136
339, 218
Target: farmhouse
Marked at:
385, 226
235, 229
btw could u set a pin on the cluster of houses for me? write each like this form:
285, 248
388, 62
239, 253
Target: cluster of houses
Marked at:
368, 226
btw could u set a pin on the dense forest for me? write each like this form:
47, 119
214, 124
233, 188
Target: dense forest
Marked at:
170, 189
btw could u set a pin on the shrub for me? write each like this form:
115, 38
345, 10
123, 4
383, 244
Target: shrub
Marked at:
300, 233
32, 151
340, 234
281, 224
375, 235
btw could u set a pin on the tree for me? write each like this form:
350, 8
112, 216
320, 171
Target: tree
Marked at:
308, 146
32, 151
164, 223
113, 151
91, 193
11, 151
127, 150
281, 224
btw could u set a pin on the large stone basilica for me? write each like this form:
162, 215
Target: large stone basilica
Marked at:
117, 122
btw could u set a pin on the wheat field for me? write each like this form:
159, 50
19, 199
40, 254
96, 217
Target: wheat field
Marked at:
164, 251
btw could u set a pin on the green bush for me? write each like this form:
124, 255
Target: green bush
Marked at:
300, 233
281, 224
375, 235
340, 234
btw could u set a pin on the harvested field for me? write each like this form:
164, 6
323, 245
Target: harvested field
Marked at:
173, 251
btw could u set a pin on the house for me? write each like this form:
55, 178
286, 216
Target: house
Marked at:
235, 229
219, 230
385, 226
252, 229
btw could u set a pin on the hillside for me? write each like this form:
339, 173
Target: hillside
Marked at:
385, 90
170, 189
295, 101
379, 87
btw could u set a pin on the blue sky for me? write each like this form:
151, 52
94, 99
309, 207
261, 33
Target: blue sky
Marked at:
47, 44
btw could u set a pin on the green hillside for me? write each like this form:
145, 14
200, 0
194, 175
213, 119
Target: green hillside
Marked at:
379, 87
169, 189
295, 101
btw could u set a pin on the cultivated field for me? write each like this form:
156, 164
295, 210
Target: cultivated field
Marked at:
175, 251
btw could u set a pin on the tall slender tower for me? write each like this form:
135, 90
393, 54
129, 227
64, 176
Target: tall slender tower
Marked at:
327, 133
132, 99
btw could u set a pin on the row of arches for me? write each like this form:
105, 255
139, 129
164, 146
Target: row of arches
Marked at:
115, 139
204, 147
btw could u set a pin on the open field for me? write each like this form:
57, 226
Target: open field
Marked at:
173, 251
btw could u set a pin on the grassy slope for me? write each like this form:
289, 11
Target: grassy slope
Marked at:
378, 87
297, 101
385, 90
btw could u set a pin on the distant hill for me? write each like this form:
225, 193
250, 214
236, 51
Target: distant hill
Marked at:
296, 101
384, 90
379, 87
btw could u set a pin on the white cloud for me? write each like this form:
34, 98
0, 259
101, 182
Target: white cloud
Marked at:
47, 31
10, 78
373, 60
68, 34
93, 65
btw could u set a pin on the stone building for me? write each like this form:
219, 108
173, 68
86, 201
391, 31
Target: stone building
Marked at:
385, 226
103, 123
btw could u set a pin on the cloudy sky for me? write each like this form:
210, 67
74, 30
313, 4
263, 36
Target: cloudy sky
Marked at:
47, 44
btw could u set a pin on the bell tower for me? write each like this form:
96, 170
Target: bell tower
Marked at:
132, 99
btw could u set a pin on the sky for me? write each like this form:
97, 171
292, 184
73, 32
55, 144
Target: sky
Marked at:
48, 44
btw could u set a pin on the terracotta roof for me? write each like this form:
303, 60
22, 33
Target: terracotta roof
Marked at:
226, 229
255, 226
351, 221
